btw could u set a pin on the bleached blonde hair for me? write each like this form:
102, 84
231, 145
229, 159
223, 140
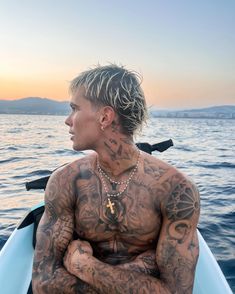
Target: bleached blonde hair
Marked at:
117, 87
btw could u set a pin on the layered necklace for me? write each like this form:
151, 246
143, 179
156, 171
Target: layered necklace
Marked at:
114, 184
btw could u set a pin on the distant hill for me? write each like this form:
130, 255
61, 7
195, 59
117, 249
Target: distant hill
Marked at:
37, 105
34, 105
223, 111
215, 109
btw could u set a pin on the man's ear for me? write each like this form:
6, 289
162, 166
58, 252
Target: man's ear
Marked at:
107, 116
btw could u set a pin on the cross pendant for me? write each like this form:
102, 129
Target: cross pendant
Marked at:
110, 205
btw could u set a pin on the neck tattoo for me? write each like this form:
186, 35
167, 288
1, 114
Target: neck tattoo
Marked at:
114, 184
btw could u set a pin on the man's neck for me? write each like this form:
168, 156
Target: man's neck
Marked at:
117, 153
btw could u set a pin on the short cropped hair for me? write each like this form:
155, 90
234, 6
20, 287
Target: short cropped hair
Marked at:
117, 87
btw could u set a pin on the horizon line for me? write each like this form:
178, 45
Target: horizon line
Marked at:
148, 106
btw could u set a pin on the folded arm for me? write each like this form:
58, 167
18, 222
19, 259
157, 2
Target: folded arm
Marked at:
53, 236
132, 277
144, 263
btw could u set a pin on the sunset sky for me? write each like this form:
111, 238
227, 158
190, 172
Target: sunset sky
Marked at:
184, 49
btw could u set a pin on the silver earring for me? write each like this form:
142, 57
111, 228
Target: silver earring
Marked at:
102, 128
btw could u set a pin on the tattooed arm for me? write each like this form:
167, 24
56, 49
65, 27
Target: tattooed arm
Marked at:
53, 236
176, 253
144, 263
178, 249
106, 278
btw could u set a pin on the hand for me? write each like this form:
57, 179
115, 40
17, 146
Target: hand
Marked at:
77, 257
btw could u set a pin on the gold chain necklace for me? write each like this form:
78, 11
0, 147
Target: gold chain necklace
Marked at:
103, 175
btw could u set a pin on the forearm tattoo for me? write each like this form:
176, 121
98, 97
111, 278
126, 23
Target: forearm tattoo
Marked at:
178, 251
53, 236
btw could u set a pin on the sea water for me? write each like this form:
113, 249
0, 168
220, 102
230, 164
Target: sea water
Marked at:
32, 146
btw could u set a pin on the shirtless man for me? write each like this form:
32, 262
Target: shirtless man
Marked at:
134, 216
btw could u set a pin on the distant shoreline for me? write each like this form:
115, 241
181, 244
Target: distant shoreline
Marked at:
45, 106
150, 116
46, 114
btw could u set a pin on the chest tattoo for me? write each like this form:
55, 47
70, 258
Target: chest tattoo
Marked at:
114, 211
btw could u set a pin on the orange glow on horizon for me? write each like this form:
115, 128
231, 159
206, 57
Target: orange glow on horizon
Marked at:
163, 93
12, 89
187, 92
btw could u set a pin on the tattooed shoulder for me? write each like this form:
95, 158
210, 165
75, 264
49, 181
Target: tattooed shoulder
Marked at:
60, 188
154, 167
181, 209
61, 182
183, 202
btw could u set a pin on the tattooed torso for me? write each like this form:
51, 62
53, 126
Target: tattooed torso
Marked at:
136, 222
157, 214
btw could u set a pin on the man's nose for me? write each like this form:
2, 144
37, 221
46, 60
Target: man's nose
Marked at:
68, 121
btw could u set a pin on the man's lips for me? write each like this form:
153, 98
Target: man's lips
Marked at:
72, 135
